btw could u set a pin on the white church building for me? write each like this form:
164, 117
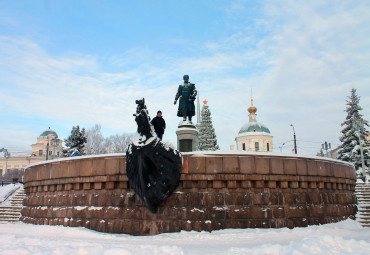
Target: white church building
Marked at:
253, 135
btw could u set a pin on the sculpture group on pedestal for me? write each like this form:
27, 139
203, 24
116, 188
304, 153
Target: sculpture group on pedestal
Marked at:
187, 94
187, 133
152, 168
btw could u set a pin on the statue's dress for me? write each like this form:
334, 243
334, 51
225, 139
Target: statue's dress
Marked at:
153, 170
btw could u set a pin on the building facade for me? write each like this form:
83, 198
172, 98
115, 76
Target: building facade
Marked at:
48, 146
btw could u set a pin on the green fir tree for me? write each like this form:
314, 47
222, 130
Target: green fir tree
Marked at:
207, 136
350, 150
76, 141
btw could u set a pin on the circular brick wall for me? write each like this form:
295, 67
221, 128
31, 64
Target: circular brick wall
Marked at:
216, 191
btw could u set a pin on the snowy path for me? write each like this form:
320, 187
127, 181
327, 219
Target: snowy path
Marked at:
6, 191
339, 238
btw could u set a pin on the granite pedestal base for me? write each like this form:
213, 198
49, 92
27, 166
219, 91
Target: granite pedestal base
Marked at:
216, 191
187, 137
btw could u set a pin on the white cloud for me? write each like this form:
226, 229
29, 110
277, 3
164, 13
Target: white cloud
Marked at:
14, 140
318, 55
301, 70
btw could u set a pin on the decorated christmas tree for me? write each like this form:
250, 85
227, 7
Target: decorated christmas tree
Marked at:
207, 136
354, 131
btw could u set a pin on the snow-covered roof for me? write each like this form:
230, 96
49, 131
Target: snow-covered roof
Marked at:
251, 127
49, 132
253, 134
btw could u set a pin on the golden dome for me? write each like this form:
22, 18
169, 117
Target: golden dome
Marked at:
252, 109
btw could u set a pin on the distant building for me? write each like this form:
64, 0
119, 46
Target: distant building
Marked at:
48, 146
13, 163
253, 135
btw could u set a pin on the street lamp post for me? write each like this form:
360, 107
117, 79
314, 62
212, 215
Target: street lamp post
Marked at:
6, 156
358, 124
54, 142
326, 146
281, 147
47, 151
295, 141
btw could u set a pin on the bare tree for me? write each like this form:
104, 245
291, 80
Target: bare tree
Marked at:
118, 143
95, 141
97, 144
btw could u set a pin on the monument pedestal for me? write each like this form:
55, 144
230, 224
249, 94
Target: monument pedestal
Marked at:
187, 137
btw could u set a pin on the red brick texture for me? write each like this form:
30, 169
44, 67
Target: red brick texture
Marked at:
215, 192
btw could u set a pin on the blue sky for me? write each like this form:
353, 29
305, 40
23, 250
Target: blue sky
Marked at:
65, 63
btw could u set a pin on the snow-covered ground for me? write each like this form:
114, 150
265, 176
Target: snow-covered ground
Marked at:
346, 237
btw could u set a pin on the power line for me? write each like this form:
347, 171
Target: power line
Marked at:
284, 142
307, 147
316, 142
308, 141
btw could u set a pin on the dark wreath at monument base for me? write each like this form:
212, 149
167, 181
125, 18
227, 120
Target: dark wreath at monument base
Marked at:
153, 169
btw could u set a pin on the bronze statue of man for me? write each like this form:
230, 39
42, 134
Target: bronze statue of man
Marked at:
187, 94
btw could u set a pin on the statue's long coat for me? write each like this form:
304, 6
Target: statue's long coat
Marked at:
186, 91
